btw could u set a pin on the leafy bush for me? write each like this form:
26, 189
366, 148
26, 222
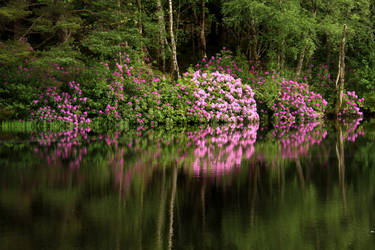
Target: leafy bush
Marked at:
220, 97
351, 104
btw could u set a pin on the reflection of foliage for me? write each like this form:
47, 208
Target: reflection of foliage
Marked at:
118, 197
219, 150
352, 129
291, 143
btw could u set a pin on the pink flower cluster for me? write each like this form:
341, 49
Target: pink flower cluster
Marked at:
351, 104
62, 107
220, 97
297, 103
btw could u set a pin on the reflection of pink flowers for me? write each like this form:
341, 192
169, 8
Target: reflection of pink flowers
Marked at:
220, 150
296, 140
352, 129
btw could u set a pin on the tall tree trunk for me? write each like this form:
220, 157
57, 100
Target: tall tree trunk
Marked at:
193, 40
300, 62
175, 69
305, 47
140, 28
17, 27
341, 72
162, 33
328, 53
195, 25
254, 41
64, 33
202, 33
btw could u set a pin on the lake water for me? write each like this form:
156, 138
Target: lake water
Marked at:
226, 187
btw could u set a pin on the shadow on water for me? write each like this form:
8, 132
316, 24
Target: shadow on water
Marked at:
223, 187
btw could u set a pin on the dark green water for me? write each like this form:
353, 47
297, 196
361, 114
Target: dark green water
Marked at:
312, 187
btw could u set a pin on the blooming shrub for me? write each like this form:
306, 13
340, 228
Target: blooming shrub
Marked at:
220, 97
297, 103
351, 104
64, 107
288, 101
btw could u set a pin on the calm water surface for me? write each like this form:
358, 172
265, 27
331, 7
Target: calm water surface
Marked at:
227, 187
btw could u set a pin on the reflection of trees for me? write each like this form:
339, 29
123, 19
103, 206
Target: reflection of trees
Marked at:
172, 207
340, 154
120, 198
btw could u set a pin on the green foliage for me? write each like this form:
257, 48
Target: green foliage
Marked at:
13, 52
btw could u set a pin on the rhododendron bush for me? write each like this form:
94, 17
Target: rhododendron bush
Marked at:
221, 90
351, 104
287, 101
297, 103
220, 97
137, 96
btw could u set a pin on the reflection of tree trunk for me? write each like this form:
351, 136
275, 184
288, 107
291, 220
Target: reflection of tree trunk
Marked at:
300, 173
203, 203
140, 238
171, 207
160, 219
341, 163
253, 195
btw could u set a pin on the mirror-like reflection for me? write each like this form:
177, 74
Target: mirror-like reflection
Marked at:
214, 187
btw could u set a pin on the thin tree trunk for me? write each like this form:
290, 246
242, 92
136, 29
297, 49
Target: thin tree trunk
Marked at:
328, 53
175, 69
17, 27
64, 35
341, 72
202, 33
193, 39
254, 39
300, 62
195, 25
162, 33
140, 28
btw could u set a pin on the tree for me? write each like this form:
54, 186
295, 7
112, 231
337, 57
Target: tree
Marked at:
162, 33
175, 69
341, 72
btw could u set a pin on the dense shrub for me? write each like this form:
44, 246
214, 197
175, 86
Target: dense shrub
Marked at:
287, 101
117, 92
220, 97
